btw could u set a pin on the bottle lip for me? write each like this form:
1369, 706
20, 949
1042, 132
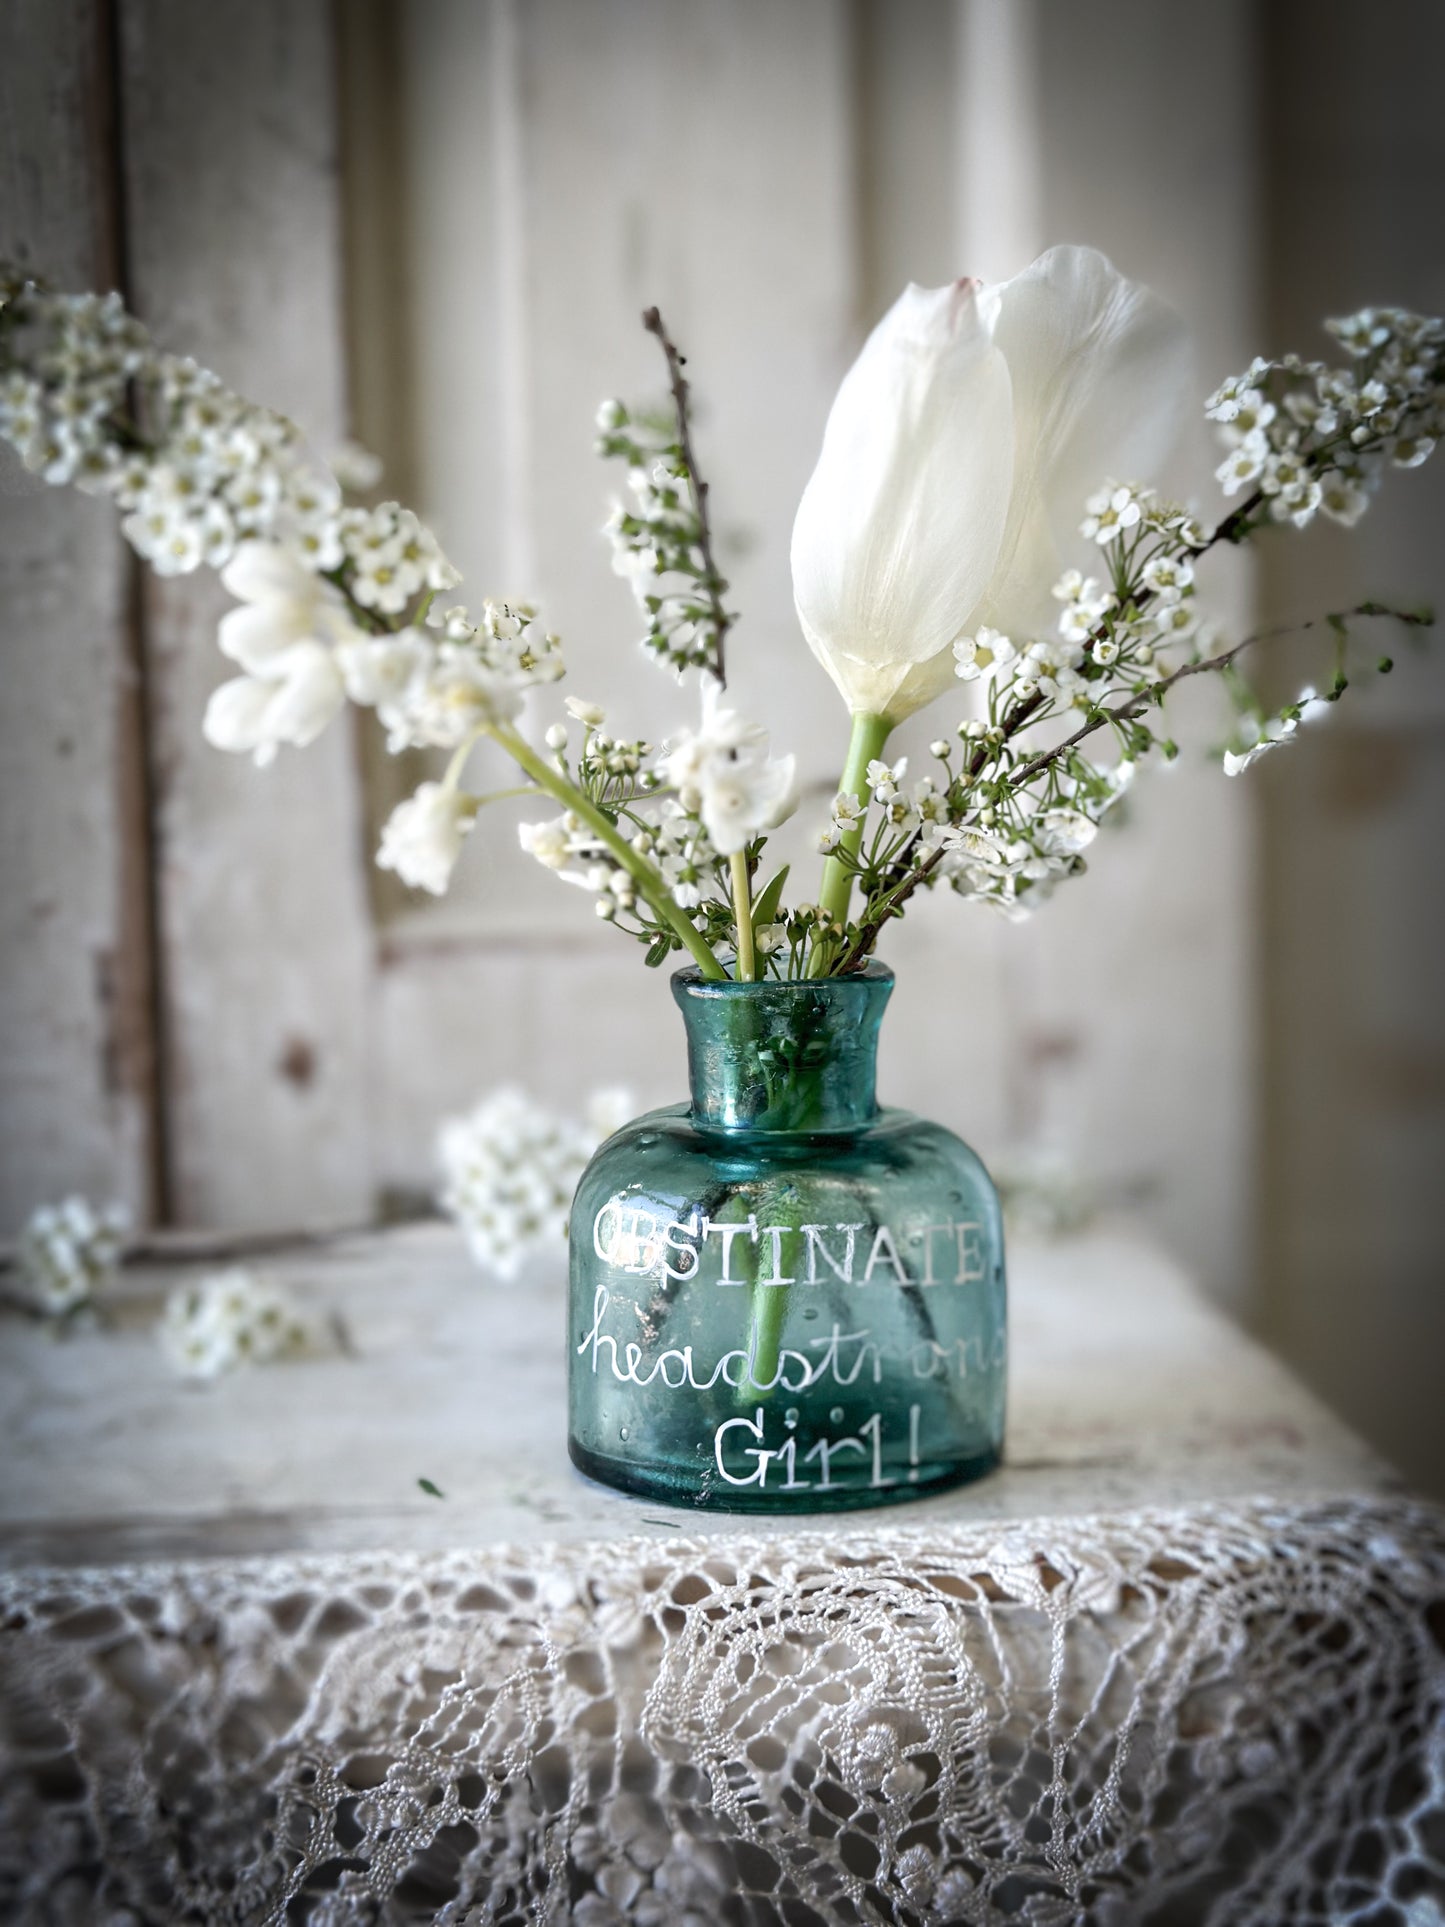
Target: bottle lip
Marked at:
691, 982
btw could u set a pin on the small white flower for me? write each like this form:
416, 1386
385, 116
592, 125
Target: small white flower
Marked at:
377, 671
1298, 505
1168, 576
584, 712
171, 542
987, 650
292, 702
1342, 498
253, 497
883, 778
551, 843
511, 1168
1244, 464
1176, 621
1248, 412
723, 771
232, 1318
355, 467
284, 603
422, 838
738, 804
455, 696
1111, 514
68, 1252
1408, 451
1063, 832
1274, 733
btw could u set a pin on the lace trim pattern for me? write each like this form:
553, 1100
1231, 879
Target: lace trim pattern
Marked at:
1227, 1714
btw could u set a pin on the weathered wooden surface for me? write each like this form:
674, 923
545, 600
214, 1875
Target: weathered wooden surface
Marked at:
232, 206
75, 1027
1127, 1391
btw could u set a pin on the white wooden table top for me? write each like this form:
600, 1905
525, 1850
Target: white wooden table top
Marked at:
1127, 1391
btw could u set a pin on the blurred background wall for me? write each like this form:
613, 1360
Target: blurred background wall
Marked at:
435, 223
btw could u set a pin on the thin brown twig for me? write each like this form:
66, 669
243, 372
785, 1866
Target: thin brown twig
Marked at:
1149, 698
712, 580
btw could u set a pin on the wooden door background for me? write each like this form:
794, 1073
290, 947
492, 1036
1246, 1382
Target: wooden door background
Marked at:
434, 222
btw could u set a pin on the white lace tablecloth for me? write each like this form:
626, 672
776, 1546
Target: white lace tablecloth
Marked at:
1115, 1684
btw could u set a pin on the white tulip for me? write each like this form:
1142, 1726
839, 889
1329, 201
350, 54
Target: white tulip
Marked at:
956, 461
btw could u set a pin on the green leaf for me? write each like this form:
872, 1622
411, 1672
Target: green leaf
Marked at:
432, 1491
767, 904
658, 950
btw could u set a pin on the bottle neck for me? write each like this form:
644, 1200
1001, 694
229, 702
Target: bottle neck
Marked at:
783, 1058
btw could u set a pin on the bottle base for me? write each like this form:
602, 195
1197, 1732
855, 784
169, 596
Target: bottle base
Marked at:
708, 1494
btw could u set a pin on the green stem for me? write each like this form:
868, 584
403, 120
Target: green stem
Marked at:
866, 742
770, 1304
743, 911
767, 1309
649, 880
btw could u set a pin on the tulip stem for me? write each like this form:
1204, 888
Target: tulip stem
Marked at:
747, 968
865, 744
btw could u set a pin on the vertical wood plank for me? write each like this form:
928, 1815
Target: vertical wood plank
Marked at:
1352, 909
230, 137
76, 1083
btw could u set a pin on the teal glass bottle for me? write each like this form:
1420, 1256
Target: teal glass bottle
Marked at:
782, 1297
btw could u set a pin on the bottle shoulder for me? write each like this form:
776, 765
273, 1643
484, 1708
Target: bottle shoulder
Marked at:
895, 1138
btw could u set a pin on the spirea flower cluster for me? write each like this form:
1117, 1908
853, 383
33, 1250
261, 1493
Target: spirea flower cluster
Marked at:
68, 1253
658, 541
231, 1319
336, 598
686, 809
510, 1169
1306, 438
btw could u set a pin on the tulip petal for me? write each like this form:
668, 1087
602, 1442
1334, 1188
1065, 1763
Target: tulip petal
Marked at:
899, 528
1100, 366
